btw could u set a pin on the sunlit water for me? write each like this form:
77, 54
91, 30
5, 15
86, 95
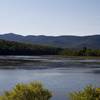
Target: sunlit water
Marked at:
64, 76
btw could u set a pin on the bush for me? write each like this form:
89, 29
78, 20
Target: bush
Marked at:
32, 91
89, 93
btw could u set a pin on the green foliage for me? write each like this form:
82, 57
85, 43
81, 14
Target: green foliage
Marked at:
80, 52
68, 52
16, 48
32, 91
89, 52
89, 93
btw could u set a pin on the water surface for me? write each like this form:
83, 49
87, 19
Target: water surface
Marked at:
59, 75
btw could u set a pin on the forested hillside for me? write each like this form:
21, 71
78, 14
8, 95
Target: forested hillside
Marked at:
91, 42
16, 48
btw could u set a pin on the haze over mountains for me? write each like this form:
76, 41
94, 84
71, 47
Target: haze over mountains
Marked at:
92, 41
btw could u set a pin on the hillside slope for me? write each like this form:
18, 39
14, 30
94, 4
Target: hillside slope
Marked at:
59, 41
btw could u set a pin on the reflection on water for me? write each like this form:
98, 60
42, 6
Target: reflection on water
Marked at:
60, 75
45, 62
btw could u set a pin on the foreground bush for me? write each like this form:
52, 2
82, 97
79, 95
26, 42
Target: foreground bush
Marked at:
32, 91
89, 93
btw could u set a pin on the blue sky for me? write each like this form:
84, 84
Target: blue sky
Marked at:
50, 17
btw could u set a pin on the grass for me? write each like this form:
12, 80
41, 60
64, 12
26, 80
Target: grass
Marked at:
88, 93
31, 91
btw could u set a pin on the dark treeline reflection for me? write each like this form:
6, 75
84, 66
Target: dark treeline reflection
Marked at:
15, 48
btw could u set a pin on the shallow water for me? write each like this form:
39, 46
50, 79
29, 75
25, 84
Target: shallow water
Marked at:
59, 75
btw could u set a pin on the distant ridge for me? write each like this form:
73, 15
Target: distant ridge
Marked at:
92, 41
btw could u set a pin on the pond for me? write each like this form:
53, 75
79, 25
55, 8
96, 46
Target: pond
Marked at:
60, 75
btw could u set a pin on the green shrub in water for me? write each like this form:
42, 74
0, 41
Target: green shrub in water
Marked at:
88, 93
31, 91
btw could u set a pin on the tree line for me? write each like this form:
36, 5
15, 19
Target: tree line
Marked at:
81, 52
16, 48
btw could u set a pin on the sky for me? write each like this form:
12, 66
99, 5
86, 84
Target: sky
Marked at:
50, 17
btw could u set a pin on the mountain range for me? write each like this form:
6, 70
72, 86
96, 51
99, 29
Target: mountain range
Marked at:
92, 41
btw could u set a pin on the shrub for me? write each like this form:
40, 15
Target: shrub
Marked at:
89, 93
32, 91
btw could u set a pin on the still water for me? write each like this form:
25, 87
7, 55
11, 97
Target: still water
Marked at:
60, 75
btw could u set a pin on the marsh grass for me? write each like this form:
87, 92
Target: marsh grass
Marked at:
88, 93
31, 91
